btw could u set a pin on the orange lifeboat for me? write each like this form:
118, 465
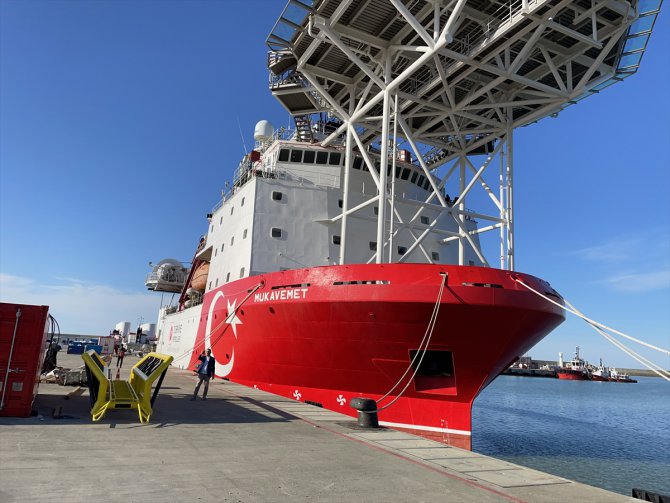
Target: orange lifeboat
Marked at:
199, 280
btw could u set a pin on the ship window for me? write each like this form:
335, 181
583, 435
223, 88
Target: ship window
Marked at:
215, 251
244, 234
340, 203
335, 158
376, 210
419, 182
212, 229
283, 154
424, 220
336, 240
405, 173
309, 156
373, 245
232, 240
227, 277
321, 157
216, 283
210, 286
222, 245
284, 268
242, 203
471, 262
221, 221
388, 170
398, 170
277, 196
414, 175
276, 232
426, 184
358, 161
296, 155
232, 209
433, 363
402, 250
435, 255
242, 273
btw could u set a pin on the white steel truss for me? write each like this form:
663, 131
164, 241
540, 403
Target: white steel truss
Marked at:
449, 80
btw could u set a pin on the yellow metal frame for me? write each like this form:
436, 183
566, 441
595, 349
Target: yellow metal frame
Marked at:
132, 394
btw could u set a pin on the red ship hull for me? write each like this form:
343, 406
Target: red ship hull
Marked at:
571, 375
326, 335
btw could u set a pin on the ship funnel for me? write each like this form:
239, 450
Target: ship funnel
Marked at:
263, 131
560, 359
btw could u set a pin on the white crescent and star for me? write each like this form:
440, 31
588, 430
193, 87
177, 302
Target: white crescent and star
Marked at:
224, 369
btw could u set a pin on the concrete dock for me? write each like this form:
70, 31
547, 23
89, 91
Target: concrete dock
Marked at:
244, 445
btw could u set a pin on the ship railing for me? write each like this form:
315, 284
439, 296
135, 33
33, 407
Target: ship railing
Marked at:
246, 173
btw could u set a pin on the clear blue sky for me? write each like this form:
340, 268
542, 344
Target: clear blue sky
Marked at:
119, 127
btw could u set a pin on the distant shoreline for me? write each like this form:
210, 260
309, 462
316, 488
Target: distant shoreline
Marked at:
640, 372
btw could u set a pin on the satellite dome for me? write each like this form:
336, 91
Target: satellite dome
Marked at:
263, 131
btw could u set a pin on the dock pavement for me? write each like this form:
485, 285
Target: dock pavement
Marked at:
244, 445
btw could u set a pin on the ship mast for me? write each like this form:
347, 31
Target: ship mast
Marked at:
450, 81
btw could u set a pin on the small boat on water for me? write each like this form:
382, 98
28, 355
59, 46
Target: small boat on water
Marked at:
616, 376
580, 370
600, 373
576, 370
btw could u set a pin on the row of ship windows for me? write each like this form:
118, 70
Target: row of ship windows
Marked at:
216, 282
335, 159
276, 196
424, 220
337, 240
277, 233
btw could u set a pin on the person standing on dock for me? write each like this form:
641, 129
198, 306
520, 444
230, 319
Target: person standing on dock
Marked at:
205, 370
119, 357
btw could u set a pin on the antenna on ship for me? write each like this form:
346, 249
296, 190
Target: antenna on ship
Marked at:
242, 136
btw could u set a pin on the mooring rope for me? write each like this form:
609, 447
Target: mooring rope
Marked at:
422, 350
208, 336
600, 328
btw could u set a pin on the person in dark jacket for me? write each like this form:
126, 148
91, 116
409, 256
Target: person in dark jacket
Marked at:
119, 356
205, 371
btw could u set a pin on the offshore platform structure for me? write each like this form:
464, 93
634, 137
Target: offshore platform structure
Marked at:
443, 83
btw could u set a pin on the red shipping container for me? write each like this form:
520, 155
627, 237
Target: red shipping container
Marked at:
23, 333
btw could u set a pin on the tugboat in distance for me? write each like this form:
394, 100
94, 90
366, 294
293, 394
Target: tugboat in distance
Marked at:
616, 376
576, 370
600, 373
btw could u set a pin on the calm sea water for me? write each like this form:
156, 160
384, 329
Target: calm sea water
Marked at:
610, 435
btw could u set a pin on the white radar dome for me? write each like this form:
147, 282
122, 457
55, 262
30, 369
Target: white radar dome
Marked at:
263, 131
